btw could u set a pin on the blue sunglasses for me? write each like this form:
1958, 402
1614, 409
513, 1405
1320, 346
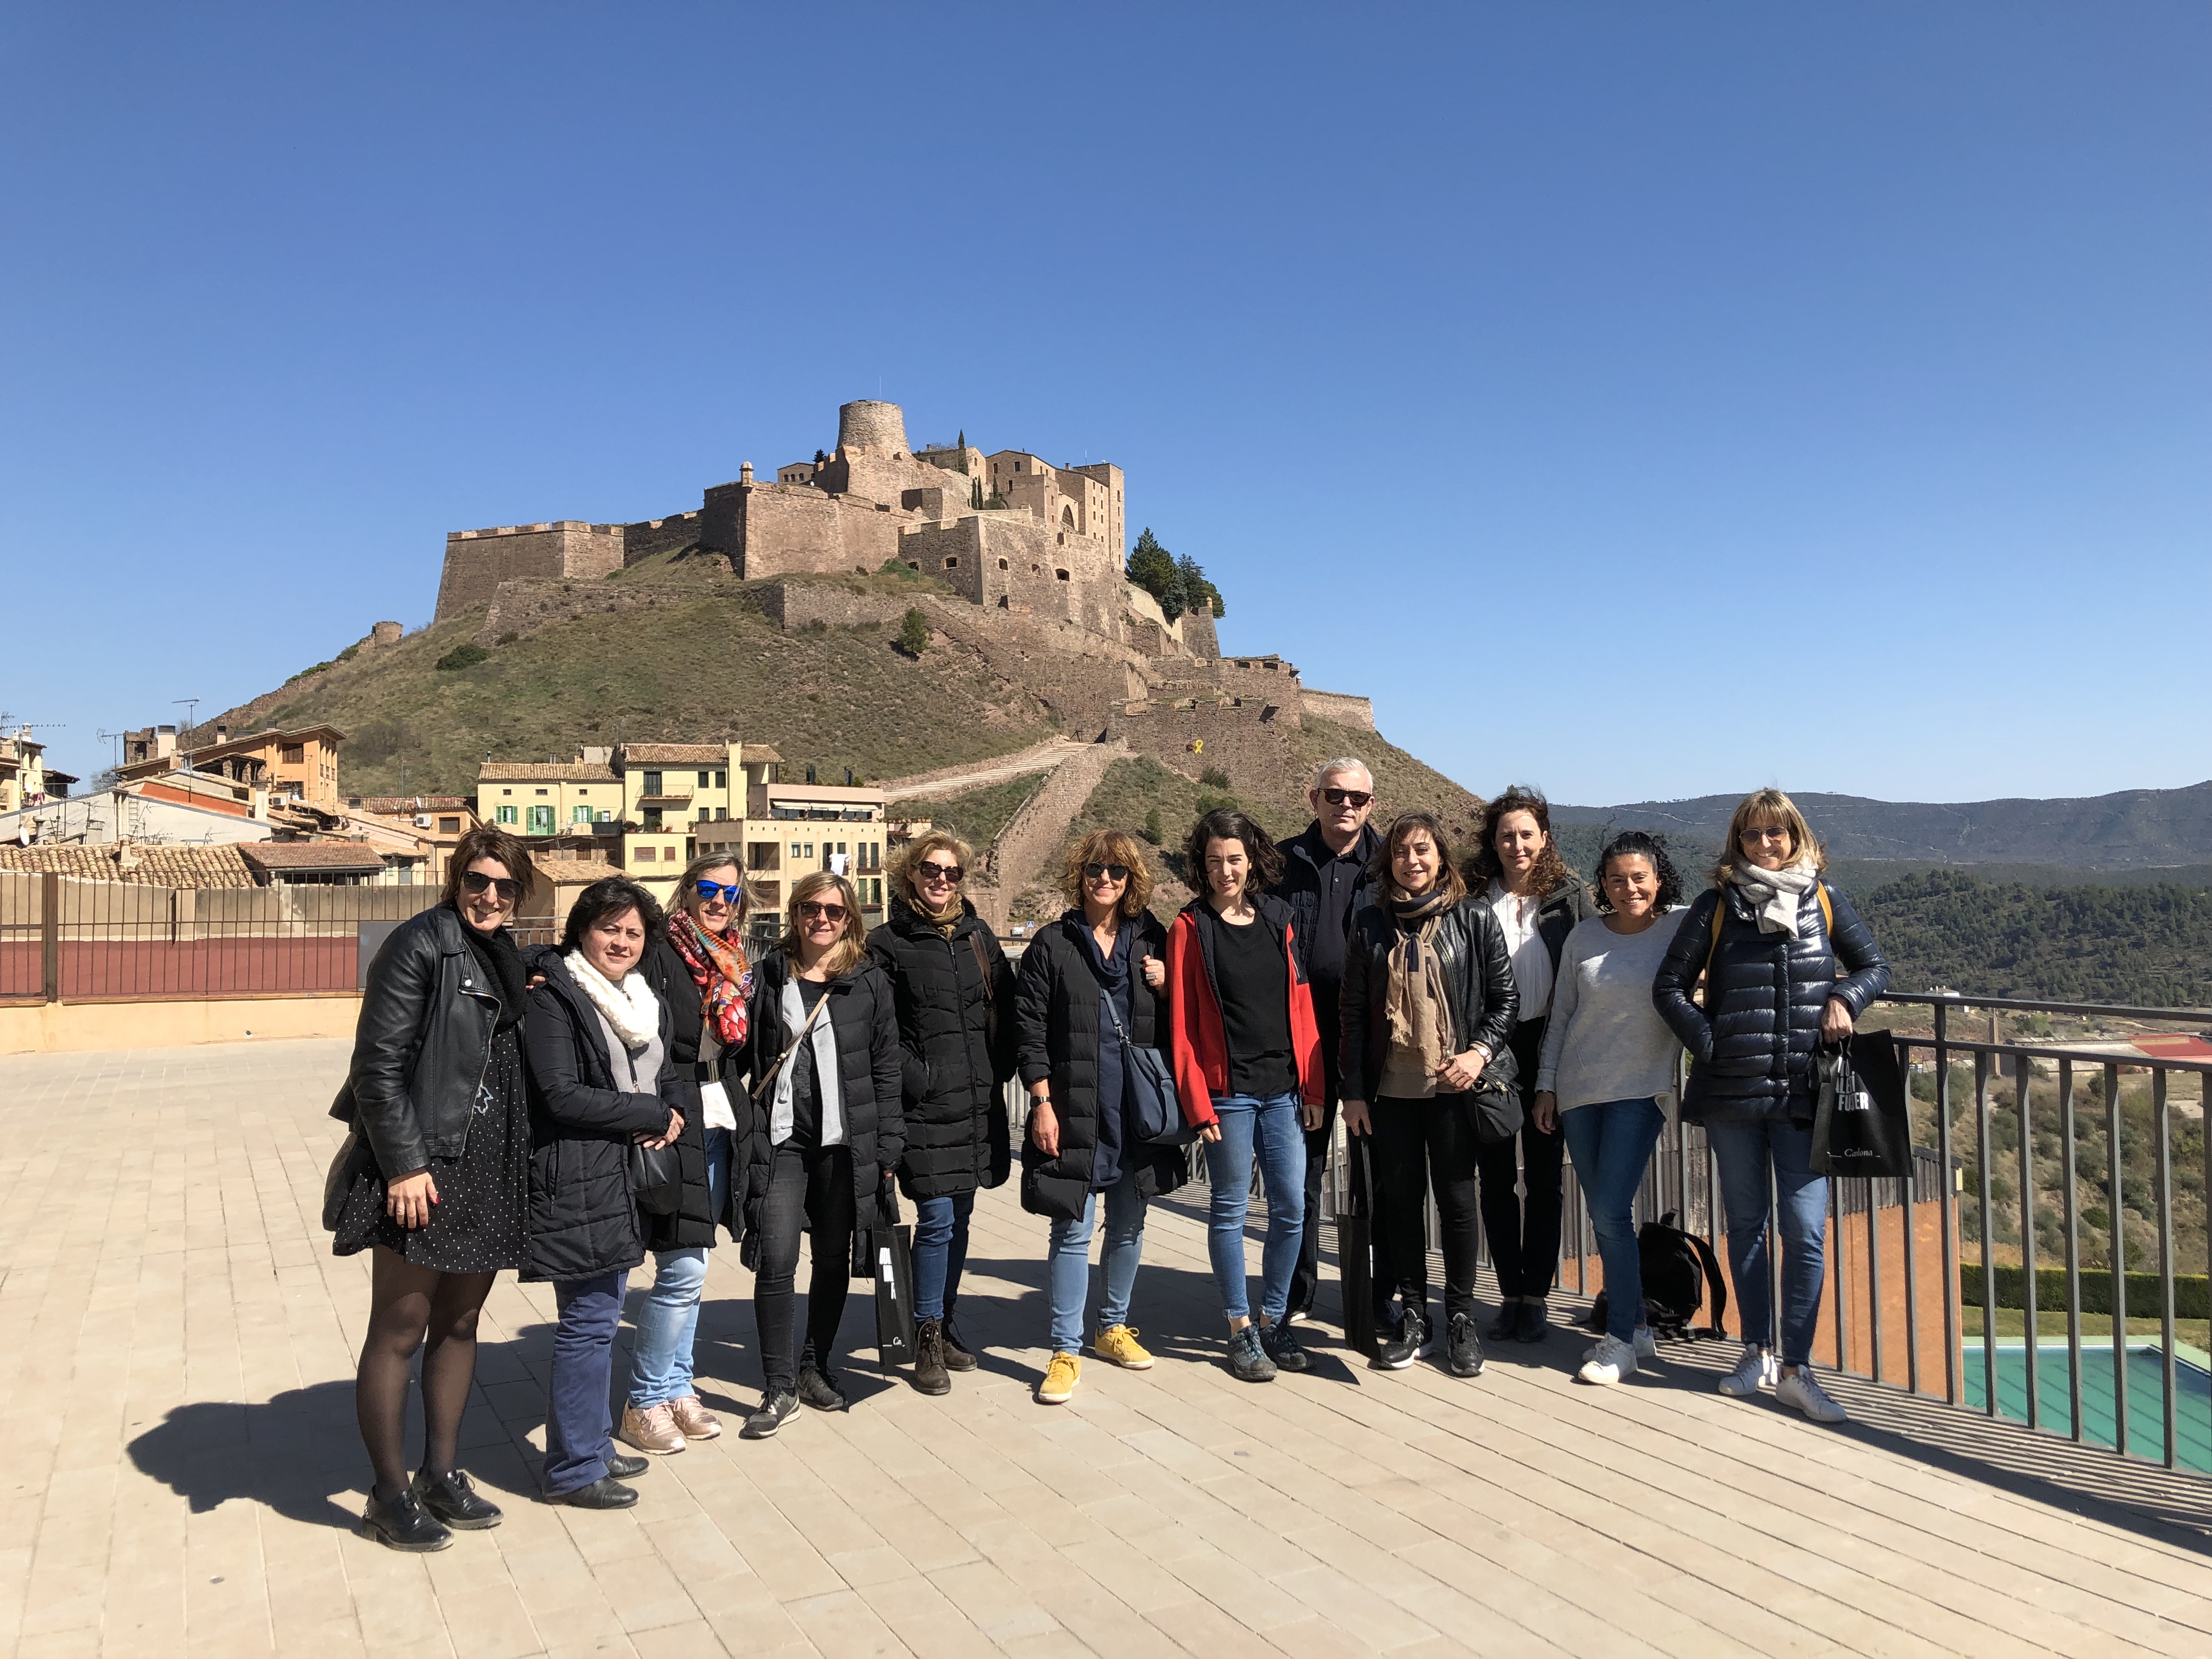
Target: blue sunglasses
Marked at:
728, 892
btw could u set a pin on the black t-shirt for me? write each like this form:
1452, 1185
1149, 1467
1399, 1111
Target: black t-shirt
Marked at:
1256, 1009
806, 1084
1325, 950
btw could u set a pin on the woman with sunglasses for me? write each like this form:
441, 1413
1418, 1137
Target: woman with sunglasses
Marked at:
955, 993
1087, 979
435, 1181
827, 1129
1247, 1071
1787, 966
697, 963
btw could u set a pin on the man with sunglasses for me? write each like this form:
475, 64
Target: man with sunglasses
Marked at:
1325, 875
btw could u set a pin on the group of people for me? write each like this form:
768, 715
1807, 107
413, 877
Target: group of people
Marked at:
645, 1087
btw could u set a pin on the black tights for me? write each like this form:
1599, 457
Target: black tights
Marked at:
412, 1308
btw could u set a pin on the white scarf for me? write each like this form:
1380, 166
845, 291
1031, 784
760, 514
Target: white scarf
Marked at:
1774, 894
630, 1007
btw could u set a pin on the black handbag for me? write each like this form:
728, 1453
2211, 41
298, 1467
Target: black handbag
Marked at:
654, 1175
1148, 1088
1861, 1125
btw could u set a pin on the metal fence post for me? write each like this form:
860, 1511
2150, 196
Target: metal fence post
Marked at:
50, 935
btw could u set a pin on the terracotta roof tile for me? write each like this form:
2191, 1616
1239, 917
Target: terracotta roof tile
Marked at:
760, 751
673, 754
560, 771
402, 805
154, 866
566, 871
310, 855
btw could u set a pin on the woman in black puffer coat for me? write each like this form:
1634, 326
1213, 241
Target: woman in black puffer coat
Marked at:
954, 994
1787, 966
601, 1081
827, 1131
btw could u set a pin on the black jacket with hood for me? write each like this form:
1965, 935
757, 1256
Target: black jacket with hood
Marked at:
583, 1221
955, 998
1056, 1011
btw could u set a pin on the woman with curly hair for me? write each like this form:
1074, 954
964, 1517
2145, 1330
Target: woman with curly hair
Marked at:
1097, 972
1248, 1069
1518, 872
1607, 1067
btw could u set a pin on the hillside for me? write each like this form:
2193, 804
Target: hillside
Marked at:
694, 668
2133, 829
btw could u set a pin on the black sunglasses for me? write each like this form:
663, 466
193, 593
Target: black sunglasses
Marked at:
1346, 797
933, 870
1111, 872
813, 907
728, 891
474, 883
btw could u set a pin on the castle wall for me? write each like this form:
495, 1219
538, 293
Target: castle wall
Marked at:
794, 606
1339, 707
870, 427
670, 535
1240, 737
888, 478
477, 561
1011, 561
1199, 638
775, 530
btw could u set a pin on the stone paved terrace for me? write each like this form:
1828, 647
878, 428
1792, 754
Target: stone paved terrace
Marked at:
180, 1469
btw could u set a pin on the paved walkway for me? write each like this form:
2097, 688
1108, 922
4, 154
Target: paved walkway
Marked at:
181, 1469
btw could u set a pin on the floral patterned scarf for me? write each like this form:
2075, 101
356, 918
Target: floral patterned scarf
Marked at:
718, 965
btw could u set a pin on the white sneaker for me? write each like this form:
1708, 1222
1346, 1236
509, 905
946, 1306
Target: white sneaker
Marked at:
1802, 1389
1609, 1362
1757, 1370
1647, 1351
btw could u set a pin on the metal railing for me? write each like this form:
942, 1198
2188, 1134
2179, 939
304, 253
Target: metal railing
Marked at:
1967, 1192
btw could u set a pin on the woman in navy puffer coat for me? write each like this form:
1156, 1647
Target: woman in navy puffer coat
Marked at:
1788, 966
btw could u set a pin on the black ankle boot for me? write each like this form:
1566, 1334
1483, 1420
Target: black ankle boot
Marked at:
929, 1373
403, 1523
453, 1500
957, 1356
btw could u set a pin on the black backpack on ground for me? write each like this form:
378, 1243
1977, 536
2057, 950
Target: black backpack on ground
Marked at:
1679, 1272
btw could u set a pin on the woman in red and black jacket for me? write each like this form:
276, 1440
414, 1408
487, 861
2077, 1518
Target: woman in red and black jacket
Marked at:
1247, 1070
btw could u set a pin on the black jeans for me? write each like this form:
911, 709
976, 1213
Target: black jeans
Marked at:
809, 1188
1525, 1233
1428, 1144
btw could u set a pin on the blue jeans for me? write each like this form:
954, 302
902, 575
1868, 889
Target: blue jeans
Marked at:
668, 1322
1274, 1129
1745, 1150
579, 1428
1068, 1278
940, 1251
1610, 1143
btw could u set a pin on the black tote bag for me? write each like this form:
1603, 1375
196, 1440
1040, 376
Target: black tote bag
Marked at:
1861, 1125
894, 1275
1355, 1244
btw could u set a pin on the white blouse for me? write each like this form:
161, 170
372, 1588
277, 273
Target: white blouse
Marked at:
1532, 963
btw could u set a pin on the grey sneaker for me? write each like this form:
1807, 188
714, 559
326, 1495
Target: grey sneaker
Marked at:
1607, 1363
1247, 1358
1283, 1348
1801, 1389
1757, 1370
1647, 1350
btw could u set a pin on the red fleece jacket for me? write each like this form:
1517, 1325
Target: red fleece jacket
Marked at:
1199, 1048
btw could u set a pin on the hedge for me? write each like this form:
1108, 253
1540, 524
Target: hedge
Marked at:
2192, 1299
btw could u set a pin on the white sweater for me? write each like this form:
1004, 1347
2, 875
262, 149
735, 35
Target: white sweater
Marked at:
1605, 1041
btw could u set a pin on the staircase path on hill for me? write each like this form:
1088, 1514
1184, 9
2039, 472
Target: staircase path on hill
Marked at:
1035, 832
953, 780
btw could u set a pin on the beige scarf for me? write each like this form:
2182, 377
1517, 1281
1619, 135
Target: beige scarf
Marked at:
1417, 1015
944, 921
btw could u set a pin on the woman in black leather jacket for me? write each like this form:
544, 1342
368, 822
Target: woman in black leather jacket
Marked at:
1788, 965
435, 1178
1428, 1004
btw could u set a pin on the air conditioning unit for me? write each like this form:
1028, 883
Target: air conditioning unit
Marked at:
422, 820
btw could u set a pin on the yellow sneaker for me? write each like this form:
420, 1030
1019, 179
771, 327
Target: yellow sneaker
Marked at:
1059, 1380
1119, 1346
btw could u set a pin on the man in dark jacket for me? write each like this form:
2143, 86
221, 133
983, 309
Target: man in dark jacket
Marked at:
1326, 870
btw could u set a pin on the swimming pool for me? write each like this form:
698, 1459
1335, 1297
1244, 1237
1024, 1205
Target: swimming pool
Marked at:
2192, 1391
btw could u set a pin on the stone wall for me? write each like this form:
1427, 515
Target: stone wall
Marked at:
776, 530
477, 561
1340, 707
794, 606
1035, 832
670, 535
1199, 639
1246, 739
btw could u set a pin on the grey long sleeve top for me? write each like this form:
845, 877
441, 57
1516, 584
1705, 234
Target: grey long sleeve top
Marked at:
1605, 1040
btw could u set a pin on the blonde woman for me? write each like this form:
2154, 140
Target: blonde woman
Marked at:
1787, 966
1104, 964
827, 1131
954, 991
696, 962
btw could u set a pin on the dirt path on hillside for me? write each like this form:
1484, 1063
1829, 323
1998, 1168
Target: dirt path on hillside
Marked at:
952, 780
1034, 833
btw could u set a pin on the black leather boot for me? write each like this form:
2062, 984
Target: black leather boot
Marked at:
929, 1374
403, 1523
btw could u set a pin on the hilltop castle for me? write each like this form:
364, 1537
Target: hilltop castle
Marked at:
1008, 531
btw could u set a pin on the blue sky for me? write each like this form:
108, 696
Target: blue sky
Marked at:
1637, 401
